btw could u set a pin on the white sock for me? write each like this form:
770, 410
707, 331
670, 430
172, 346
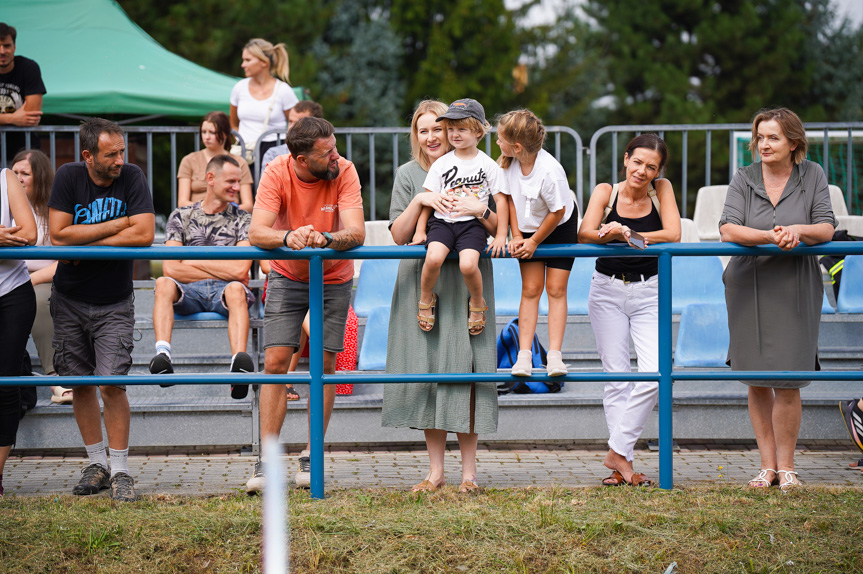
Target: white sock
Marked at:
163, 347
119, 461
97, 455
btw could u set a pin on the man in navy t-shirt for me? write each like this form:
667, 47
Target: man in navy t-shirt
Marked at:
99, 201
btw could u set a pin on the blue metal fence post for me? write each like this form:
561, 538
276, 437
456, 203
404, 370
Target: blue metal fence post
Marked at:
316, 371
666, 452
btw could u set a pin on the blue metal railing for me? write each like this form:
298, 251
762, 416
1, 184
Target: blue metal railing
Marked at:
665, 376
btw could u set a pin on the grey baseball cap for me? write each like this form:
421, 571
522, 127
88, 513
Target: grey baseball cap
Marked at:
466, 108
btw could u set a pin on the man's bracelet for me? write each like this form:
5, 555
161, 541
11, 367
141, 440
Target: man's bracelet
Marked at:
285, 238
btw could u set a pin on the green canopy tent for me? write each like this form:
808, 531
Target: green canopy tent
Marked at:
96, 61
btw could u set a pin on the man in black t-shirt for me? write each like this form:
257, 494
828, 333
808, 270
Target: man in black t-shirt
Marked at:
99, 201
21, 91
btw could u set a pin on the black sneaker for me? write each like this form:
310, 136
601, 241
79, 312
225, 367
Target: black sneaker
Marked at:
853, 417
123, 488
93, 479
161, 365
256, 483
303, 478
242, 363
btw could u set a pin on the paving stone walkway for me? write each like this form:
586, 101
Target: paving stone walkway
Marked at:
216, 474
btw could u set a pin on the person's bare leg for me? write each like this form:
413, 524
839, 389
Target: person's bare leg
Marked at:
555, 286
761, 400
4, 454
116, 417
532, 284
436, 254
787, 412
238, 317
329, 395
468, 262
274, 403
467, 446
295, 359
85, 406
436, 446
164, 296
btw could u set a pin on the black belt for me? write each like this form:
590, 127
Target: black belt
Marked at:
631, 277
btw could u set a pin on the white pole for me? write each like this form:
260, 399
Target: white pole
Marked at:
274, 510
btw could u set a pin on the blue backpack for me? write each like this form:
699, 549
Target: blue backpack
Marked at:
507, 354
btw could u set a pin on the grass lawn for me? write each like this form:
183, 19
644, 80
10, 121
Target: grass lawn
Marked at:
704, 529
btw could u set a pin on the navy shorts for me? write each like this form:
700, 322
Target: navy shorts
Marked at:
457, 236
563, 234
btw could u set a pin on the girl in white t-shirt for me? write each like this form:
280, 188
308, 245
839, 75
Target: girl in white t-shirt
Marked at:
261, 101
544, 213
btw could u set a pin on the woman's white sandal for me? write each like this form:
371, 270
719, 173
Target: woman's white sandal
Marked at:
761, 481
789, 483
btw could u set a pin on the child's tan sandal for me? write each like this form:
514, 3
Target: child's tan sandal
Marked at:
476, 327
426, 322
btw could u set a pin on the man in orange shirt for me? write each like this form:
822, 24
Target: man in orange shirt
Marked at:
310, 198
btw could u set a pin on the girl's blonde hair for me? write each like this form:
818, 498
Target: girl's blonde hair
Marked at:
417, 152
276, 56
521, 127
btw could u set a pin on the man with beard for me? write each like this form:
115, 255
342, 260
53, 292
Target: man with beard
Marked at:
310, 198
99, 201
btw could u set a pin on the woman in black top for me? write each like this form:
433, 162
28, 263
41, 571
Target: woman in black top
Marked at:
623, 299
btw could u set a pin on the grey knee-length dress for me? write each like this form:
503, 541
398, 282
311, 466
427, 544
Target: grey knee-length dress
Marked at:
774, 302
447, 348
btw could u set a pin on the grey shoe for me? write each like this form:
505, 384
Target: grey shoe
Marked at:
256, 483
93, 479
123, 488
303, 478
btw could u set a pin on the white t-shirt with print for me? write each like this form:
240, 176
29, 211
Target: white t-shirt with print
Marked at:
543, 191
450, 175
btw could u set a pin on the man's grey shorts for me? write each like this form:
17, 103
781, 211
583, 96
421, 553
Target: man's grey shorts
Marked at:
286, 308
92, 339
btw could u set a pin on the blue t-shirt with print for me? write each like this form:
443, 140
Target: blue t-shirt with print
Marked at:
100, 282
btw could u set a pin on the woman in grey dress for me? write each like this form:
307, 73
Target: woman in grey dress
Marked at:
465, 409
774, 302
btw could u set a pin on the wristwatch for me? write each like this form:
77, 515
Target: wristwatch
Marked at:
486, 213
329, 237
285, 238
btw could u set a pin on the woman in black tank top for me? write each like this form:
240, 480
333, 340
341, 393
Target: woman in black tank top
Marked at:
623, 299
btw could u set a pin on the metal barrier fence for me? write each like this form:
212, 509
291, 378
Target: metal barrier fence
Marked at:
708, 129
316, 378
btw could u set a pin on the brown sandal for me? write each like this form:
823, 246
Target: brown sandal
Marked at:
476, 327
616, 479
468, 487
430, 319
428, 486
639, 479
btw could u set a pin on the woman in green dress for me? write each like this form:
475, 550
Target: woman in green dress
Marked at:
465, 409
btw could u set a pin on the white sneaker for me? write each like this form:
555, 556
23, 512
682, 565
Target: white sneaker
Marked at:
256, 483
556, 367
523, 365
303, 478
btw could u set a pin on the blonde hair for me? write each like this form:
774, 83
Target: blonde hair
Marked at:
791, 126
276, 56
417, 152
473, 124
521, 127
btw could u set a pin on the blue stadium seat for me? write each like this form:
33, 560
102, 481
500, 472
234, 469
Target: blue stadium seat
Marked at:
507, 286
702, 340
826, 307
373, 353
850, 299
696, 280
375, 285
205, 316
577, 289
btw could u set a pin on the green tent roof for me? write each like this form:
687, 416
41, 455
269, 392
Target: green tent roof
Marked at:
95, 60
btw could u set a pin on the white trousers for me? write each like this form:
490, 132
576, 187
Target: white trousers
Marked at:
617, 311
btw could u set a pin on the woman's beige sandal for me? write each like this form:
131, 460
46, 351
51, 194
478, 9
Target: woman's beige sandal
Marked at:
61, 396
478, 326
426, 322
761, 481
790, 481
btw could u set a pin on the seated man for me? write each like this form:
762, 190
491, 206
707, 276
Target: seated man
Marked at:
195, 286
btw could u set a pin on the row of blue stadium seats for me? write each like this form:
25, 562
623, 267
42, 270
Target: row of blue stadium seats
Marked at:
694, 280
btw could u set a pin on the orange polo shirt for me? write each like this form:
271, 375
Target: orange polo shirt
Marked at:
318, 204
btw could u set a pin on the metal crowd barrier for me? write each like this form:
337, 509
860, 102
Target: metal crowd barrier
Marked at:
683, 153
316, 378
